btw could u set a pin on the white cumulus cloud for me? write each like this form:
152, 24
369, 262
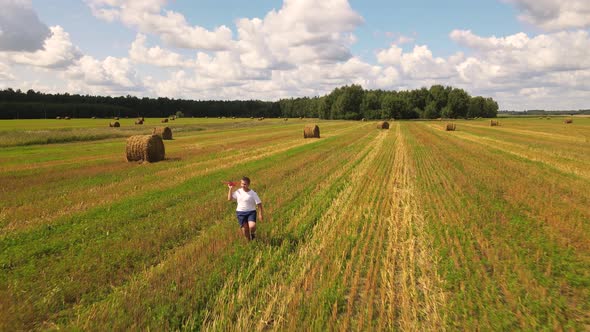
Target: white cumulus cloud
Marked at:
555, 14
148, 16
58, 52
302, 31
114, 74
157, 56
20, 28
520, 54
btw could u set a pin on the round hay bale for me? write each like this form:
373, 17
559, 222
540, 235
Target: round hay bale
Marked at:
383, 125
148, 148
115, 124
311, 131
251, 118
233, 117
286, 119
164, 121
94, 118
116, 118
450, 127
363, 119
300, 118
494, 123
67, 117
58, 117
566, 121
139, 122
164, 132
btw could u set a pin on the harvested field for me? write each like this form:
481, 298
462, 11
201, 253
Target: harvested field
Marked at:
432, 239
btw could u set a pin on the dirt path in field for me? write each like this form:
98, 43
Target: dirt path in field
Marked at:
287, 298
413, 296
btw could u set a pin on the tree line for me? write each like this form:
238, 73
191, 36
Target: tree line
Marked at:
347, 102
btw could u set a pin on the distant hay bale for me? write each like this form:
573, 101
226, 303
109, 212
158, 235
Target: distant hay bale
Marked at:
164, 132
67, 117
233, 117
164, 121
311, 131
494, 123
568, 121
93, 117
251, 118
300, 118
363, 119
260, 118
286, 119
116, 118
115, 124
58, 117
450, 127
139, 122
383, 125
148, 148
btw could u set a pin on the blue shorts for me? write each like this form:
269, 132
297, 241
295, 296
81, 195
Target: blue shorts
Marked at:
245, 216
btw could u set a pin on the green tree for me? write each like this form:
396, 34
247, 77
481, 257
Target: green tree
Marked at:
476, 107
439, 95
370, 104
347, 103
490, 108
394, 106
430, 112
457, 104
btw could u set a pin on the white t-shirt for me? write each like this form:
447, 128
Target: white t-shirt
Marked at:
246, 200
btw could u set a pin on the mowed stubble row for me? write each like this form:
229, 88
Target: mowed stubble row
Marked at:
366, 229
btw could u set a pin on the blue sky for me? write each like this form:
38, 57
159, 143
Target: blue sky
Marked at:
523, 53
